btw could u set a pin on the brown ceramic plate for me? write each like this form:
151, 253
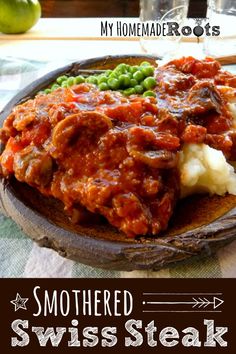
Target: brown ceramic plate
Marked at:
200, 224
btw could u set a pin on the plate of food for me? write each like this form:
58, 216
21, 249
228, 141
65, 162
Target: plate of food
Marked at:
120, 163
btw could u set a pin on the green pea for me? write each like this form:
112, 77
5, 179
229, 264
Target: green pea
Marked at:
102, 78
149, 82
124, 80
113, 75
108, 72
145, 63
147, 70
133, 82
138, 89
47, 91
138, 75
117, 72
61, 79
79, 79
71, 81
54, 87
133, 68
64, 84
149, 93
92, 80
121, 67
130, 75
103, 86
129, 91
113, 83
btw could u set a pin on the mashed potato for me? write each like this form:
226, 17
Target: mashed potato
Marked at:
204, 169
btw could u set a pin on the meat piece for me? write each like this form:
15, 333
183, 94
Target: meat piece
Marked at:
194, 134
208, 108
167, 123
203, 96
132, 110
33, 166
58, 112
225, 78
37, 134
24, 117
155, 149
171, 80
206, 68
8, 129
226, 143
13, 146
134, 216
110, 181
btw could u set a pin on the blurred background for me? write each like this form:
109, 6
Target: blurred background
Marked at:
96, 8
90, 8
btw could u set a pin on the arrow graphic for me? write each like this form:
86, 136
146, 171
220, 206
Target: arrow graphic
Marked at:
196, 302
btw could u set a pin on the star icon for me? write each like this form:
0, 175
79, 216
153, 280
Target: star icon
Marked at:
19, 302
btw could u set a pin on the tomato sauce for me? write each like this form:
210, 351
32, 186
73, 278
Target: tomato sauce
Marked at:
101, 152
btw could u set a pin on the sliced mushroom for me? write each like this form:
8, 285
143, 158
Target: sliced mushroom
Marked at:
81, 129
156, 158
157, 150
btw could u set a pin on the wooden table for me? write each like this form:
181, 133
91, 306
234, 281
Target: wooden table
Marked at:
73, 39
